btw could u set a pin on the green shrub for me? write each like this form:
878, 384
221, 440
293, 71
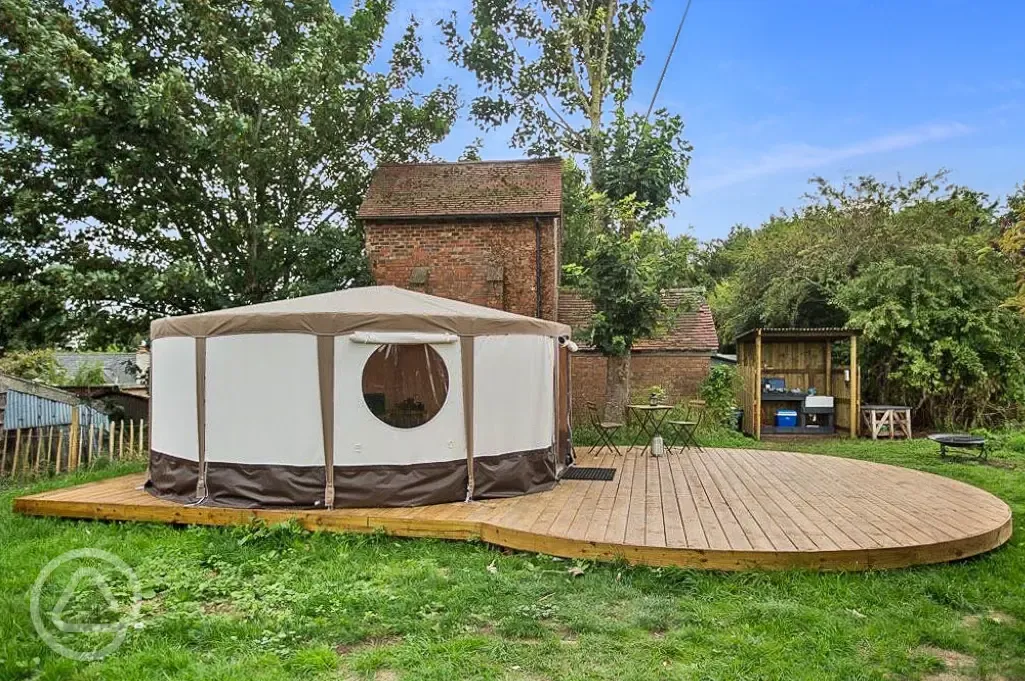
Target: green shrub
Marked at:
34, 365
719, 391
89, 373
1015, 443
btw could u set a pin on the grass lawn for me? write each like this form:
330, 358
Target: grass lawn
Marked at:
258, 604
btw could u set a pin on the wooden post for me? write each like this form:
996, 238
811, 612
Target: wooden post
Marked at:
39, 451
91, 447
141, 451
73, 438
131, 439
17, 450
743, 384
26, 461
758, 385
855, 389
829, 369
111, 425
3, 457
49, 447
60, 451
121, 442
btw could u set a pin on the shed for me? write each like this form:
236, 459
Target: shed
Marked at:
27, 404
120, 404
781, 368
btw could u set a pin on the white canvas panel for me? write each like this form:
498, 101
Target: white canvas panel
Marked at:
174, 430
513, 394
263, 400
361, 439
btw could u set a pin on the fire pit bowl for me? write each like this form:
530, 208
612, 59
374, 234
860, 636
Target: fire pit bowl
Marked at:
960, 441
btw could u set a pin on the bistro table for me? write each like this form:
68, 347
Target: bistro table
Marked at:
650, 417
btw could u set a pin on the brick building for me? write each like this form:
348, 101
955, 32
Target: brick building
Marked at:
482, 232
488, 233
678, 360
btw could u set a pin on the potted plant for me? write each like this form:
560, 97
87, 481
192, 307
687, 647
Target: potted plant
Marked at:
656, 395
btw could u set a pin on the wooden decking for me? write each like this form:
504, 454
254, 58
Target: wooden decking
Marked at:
726, 509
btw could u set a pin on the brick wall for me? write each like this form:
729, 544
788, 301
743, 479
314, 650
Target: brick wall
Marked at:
679, 373
484, 262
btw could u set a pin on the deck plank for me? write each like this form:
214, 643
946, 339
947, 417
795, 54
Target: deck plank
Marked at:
723, 509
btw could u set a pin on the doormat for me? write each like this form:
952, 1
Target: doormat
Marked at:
578, 473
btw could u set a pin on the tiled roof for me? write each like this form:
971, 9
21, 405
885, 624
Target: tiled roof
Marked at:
478, 188
693, 329
117, 366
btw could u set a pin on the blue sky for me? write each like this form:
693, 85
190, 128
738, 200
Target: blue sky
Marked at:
775, 92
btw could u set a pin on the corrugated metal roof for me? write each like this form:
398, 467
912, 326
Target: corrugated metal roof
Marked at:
31, 411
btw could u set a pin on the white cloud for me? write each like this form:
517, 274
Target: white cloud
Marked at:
806, 156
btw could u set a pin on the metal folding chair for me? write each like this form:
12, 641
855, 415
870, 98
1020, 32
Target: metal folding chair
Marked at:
681, 433
606, 431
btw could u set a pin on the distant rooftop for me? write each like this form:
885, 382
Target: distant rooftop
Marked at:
530, 187
117, 366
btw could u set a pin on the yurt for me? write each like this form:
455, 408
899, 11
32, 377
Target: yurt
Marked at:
373, 396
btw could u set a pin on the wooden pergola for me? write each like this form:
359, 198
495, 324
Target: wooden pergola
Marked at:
803, 359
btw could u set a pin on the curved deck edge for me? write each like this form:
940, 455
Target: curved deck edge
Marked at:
658, 556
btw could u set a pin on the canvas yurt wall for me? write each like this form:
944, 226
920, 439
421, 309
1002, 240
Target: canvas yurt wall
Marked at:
366, 397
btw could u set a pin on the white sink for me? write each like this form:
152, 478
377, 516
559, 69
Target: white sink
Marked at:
818, 401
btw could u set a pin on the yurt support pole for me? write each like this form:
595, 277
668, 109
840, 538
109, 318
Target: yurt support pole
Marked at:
556, 426
201, 490
326, 373
466, 358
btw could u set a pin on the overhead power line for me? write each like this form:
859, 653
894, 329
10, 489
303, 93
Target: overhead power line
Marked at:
669, 58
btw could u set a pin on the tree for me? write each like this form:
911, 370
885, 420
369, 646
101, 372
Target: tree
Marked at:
552, 67
578, 230
938, 336
89, 373
182, 156
912, 264
646, 160
556, 68
1012, 243
34, 365
629, 266
719, 257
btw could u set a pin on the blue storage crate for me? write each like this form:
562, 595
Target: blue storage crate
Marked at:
786, 418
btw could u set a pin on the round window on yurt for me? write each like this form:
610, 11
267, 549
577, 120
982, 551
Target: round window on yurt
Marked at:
405, 385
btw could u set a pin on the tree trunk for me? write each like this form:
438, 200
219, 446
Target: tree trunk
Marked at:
617, 387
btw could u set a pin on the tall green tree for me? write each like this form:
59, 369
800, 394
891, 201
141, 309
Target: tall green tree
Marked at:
561, 71
912, 264
551, 66
1012, 243
624, 273
187, 155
